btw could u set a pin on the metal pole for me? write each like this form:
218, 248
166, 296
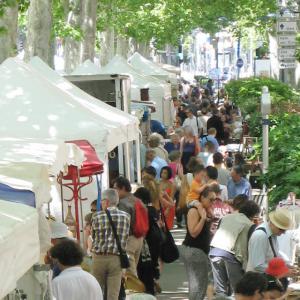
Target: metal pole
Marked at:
218, 69
138, 161
265, 110
238, 55
265, 143
127, 161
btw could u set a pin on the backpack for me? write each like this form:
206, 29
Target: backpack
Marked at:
141, 226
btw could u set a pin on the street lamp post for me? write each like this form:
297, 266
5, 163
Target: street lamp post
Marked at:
218, 84
238, 55
265, 111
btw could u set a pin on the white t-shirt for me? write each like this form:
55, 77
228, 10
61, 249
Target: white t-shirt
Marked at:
193, 123
202, 123
76, 284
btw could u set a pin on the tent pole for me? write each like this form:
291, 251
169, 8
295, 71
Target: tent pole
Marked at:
138, 160
62, 199
81, 212
127, 161
76, 183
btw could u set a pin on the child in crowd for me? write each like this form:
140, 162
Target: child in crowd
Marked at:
196, 187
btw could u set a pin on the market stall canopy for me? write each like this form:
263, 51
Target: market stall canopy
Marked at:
170, 68
56, 155
19, 243
91, 166
149, 68
119, 126
157, 88
30, 178
32, 107
87, 68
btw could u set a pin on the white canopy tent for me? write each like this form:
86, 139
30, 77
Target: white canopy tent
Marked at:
59, 115
106, 115
19, 243
26, 164
159, 91
150, 68
86, 68
28, 176
170, 68
56, 155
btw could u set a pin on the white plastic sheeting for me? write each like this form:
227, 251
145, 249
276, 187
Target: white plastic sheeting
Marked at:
19, 243
150, 68
56, 155
122, 127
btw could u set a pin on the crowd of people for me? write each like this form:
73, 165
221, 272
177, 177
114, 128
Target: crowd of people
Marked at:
188, 177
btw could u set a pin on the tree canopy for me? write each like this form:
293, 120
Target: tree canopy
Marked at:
165, 21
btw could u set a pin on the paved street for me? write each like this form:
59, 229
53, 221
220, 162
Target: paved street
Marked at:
173, 279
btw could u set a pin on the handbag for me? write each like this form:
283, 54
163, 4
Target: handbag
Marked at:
169, 251
123, 255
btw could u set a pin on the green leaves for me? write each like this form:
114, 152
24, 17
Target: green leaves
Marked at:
284, 169
165, 21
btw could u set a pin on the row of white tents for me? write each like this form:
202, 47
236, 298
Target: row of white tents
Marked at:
40, 110
144, 74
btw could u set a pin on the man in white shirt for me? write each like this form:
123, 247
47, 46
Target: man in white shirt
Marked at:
263, 244
191, 121
73, 283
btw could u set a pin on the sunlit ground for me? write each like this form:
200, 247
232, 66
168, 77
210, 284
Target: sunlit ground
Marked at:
173, 278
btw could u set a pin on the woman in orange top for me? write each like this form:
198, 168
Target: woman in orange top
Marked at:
167, 189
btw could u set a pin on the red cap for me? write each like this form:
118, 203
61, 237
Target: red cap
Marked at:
277, 267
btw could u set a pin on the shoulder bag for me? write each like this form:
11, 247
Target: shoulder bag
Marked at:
123, 255
169, 251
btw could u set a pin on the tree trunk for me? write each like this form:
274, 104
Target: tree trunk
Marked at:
143, 48
122, 46
8, 39
72, 46
107, 50
83, 15
38, 42
88, 26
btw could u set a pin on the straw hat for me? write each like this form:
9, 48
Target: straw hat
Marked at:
277, 267
281, 218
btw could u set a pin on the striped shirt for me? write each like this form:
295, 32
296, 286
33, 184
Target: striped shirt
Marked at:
102, 234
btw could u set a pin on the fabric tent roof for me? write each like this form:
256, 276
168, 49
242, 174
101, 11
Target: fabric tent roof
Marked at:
157, 88
119, 126
56, 155
170, 68
32, 107
19, 243
149, 68
92, 165
27, 176
87, 68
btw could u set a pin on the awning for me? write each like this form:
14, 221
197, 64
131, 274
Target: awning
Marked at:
19, 243
25, 177
91, 165
55, 155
